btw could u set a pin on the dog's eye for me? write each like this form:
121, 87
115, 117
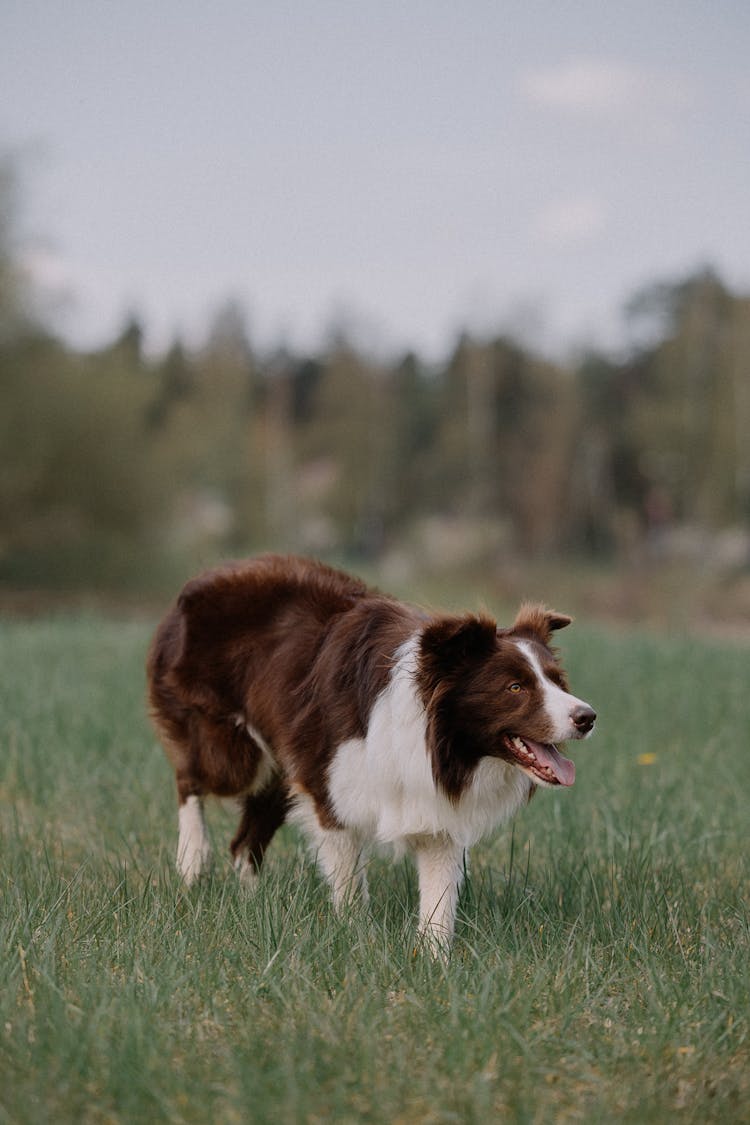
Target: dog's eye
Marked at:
515, 688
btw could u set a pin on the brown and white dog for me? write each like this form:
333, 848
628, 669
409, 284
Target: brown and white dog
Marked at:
311, 697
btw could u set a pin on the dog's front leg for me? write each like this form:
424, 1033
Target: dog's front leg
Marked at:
344, 866
193, 846
440, 867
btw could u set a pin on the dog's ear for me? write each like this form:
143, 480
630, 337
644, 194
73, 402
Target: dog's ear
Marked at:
448, 645
539, 620
451, 641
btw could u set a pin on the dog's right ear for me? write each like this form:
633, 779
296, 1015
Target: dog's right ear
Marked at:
210, 603
448, 645
197, 592
450, 641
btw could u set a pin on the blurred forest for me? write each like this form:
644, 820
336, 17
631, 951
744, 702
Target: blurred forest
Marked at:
121, 469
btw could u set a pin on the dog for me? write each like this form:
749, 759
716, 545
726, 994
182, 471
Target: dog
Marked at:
310, 697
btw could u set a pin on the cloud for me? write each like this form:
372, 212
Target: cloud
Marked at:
45, 268
568, 222
601, 88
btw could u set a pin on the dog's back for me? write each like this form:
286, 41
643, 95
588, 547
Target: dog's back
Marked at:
229, 624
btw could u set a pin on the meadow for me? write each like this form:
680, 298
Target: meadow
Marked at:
602, 961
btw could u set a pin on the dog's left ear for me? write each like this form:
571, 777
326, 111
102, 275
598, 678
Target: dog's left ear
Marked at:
540, 620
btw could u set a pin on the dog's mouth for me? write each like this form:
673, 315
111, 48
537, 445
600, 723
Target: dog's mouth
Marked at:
541, 759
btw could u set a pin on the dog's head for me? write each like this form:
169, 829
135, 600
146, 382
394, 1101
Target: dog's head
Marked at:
500, 693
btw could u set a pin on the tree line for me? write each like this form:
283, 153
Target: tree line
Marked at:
114, 463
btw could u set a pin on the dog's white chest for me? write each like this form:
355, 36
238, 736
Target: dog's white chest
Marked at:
382, 785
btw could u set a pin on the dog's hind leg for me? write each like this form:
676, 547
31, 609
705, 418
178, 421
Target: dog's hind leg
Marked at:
262, 814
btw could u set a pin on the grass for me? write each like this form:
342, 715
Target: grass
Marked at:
600, 971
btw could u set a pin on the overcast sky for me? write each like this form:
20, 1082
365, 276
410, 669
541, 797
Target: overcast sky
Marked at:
412, 166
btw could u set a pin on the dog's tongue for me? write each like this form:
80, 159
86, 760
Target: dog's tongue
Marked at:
548, 755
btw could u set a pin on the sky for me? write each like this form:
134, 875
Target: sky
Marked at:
401, 168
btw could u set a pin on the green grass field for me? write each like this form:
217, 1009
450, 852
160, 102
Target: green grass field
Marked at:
601, 966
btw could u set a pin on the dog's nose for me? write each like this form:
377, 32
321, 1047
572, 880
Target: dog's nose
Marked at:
584, 718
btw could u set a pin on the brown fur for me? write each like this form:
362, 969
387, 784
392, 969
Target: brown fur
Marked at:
298, 653
268, 641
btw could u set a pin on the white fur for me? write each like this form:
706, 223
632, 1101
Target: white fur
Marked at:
440, 866
559, 705
339, 852
246, 871
267, 765
193, 847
